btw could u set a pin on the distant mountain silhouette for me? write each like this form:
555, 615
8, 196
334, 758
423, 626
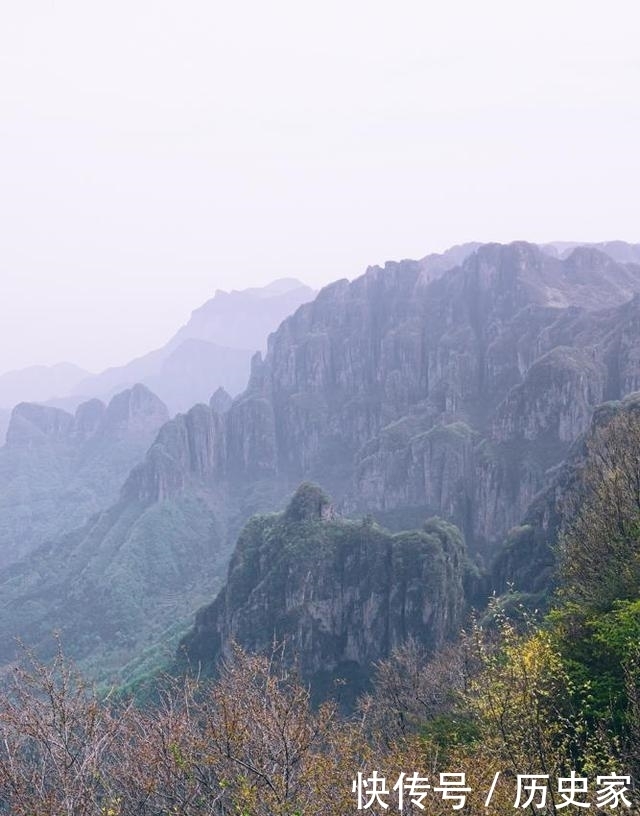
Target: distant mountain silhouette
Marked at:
213, 349
38, 383
57, 469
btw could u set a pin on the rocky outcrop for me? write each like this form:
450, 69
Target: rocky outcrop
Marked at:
450, 391
555, 400
340, 594
619, 251
221, 401
406, 466
136, 410
31, 424
89, 417
188, 449
418, 389
57, 468
133, 410
527, 558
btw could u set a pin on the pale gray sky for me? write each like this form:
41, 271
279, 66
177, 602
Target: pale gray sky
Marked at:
151, 152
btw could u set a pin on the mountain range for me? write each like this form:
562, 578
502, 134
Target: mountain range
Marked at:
213, 349
35, 384
57, 469
455, 386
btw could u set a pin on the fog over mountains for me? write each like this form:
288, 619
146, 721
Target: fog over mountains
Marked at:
455, 386
212, 349
35, 384
57, 469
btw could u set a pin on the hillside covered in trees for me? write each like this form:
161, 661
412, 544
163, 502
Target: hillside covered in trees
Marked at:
556, 695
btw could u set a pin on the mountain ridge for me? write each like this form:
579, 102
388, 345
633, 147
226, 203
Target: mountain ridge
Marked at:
398, 392
57, 468
213, 348
223, 341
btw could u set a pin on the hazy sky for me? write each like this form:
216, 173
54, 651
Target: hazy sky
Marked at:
151, 152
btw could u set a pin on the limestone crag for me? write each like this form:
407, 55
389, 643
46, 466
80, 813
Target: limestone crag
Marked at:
528, 555
451, 390
339, 594
57, 468
453, 387
221, 401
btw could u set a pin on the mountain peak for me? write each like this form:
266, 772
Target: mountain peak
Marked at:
588, 257
309, 503
221, 401
32, 423
89, 416
135, 406
516, 251
131, 410
243, 319
280, 286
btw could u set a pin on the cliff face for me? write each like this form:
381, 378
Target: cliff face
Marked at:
416, 390
453, 392
448, 391
527, 558
57, 469
132, 574
340, 594
130, 413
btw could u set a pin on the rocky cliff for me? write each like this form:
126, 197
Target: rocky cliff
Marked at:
340, 594
57, 468
449, 392
528, 557
412, 392
419, 389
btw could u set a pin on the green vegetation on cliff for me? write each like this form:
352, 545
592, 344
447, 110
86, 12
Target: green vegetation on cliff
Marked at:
340, 593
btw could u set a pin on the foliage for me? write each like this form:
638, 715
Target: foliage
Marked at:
514, 694
599, 552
